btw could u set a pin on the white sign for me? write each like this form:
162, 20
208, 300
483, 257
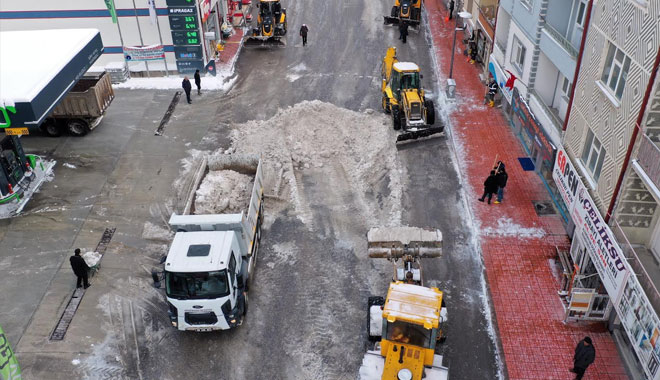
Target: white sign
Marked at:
144, 53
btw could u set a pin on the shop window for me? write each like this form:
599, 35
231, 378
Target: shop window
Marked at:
593, 155
615, 71
581, 13
566, 88
518, 54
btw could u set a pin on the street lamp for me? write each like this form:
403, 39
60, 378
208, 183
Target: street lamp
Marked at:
451, 83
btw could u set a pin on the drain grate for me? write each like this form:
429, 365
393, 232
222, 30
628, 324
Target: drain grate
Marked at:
168, 113
544, 208
78, 293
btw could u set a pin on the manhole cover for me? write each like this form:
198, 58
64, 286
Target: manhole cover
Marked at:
543, 208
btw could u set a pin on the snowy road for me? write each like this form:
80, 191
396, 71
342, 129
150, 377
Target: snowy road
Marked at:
342, 175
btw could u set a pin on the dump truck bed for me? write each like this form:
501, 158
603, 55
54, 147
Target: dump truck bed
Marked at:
89, 98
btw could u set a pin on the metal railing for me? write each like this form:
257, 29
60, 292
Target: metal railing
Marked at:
561, 40
558, 123
648, 157
638, 268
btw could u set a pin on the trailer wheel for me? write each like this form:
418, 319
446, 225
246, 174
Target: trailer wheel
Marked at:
51, 128
430, 111
78, 127
396, 117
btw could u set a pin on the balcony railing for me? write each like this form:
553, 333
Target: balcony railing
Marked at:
557, 121
561, 40
648, 157
638, 268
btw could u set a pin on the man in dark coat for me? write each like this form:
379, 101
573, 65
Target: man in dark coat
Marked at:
80, 269
403, 31
490, 187
585, 354
451, 8
187, 88
502, 177
303, 33
198, 82
492, 91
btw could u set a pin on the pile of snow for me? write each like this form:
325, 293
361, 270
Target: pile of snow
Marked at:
91, 258
506, 227
353, 150
152, 231
223, 191
220, 82
68, 165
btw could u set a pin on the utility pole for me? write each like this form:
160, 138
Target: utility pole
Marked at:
137, 20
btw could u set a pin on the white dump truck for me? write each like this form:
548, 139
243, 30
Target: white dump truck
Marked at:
212, 258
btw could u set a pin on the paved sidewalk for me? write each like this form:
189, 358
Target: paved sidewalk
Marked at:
529, 314
232, 47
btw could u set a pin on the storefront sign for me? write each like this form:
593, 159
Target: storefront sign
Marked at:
205, 9
188, 52
182, 11
145, 53
183, 23
532, 125
185, 67
190, 37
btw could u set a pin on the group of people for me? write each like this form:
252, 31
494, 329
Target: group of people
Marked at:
187, 87
495, 183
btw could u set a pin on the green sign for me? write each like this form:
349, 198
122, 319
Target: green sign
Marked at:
183, 23
6, 121
9, 368
110, 4
190, 37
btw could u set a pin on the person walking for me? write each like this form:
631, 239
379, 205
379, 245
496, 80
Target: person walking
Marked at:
198, 82
187, 88
490, 187
403, 31
80, 269
585, 354
303, 33
451, 9
492, 91
502, 177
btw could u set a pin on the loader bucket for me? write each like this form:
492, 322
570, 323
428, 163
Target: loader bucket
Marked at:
260, 42
394, 242
389, 20
414, 135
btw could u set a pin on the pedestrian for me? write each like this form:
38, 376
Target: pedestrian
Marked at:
187, 88
80, 269
303, 33
490, 187
198, 82
492, 91
403, 31
472, 49
451, 8
585, 353
502, 177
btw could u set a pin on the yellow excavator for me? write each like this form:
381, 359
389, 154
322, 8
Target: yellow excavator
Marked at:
405, 327
408, 11
271, 26
404, 98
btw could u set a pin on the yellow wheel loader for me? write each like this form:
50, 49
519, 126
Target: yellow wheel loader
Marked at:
405, 327
271, 25
408, 11
404, 98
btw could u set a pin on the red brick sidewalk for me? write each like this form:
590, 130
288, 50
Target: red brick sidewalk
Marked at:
232, 47
529, 314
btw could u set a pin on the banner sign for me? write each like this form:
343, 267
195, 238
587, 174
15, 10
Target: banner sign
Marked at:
9, 368
205, 9
146, 53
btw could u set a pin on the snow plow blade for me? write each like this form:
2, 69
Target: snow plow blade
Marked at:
389, 20
414, 135
394, 242
257, 42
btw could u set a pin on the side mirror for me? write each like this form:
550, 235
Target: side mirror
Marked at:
421, 76
156, 277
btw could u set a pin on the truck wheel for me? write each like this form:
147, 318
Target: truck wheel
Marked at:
51, 128
430, 112
386, 104
78, 127
245, 303
395, 11
396, 117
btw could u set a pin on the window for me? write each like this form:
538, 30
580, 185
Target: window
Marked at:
615, 71
581, 13
566, 88
518, 55
232, 268
593, 155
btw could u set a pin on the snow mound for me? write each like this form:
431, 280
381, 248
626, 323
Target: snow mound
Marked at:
223, 191
506, 227
152, 231
68, 165
91, 258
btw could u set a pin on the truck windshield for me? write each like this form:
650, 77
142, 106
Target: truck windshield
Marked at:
197, 285
408, 333
410, 81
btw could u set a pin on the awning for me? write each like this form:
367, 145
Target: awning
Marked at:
38, 67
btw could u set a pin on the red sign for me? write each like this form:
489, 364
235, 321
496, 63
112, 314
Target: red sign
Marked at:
205, 8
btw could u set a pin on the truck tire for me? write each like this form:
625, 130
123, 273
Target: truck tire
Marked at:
396, 117
430, 111
245, 303
77, 127
386, 104
395, 11
51, 128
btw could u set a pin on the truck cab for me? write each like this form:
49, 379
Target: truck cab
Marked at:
204, 283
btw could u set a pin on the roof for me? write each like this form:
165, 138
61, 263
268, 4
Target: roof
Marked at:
178, 259
406, 66
38, 66
413, 303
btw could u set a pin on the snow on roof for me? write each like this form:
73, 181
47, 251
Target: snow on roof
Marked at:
179, 261
413, 303
30, 59
406, 66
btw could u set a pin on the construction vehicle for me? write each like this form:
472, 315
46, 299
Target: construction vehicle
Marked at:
271, 25
408, 11
404, 98
212, 259
405, 327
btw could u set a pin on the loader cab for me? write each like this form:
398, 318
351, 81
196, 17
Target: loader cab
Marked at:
405, 75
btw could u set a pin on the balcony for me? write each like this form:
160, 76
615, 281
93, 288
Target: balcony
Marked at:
648, 158
559, 50
547, 116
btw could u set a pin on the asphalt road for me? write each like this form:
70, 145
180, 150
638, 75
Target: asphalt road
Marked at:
307, 315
